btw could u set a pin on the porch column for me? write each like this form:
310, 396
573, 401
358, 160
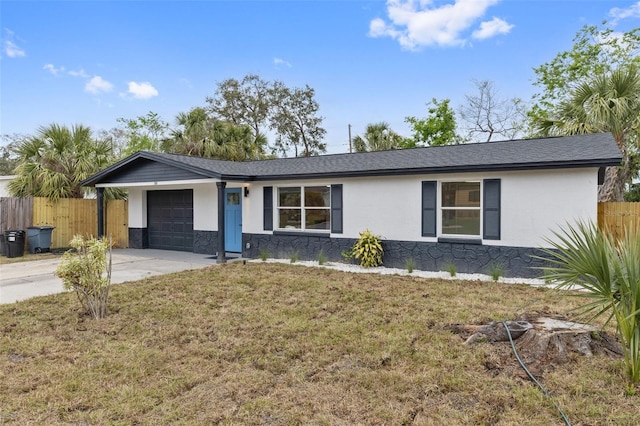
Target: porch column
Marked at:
221, 254
100, 199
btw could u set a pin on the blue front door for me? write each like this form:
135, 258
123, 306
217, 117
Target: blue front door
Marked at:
233, 220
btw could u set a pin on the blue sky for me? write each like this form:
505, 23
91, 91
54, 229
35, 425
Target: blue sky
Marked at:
91, 62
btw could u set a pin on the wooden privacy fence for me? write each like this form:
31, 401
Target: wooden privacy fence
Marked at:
69, 216
614, 217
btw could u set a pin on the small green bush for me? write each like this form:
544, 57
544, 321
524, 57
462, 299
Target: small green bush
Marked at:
86, 270
409, 264
368, 249
264, 255
294, 257
347, 255
322, 258
451, 268
496, 270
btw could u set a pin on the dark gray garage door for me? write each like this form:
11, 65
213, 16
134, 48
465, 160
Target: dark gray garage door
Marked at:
170, 219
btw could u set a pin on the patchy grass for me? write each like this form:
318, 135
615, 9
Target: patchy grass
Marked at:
286, 344
28, 257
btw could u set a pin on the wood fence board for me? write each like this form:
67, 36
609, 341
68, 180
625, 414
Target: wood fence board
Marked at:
15, 213
71, 216
614, 217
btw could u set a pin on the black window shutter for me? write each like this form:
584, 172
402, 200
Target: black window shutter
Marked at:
429, 207
336, 209
491, 212
268, 208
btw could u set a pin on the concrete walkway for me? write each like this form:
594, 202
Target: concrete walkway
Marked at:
22, 280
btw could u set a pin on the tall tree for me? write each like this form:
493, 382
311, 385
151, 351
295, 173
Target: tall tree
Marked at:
246, 102
200, 135
438, 128
54, 162
609, 102
8, 158
486, 116
144, 133
377, 137
595, 51
294, 116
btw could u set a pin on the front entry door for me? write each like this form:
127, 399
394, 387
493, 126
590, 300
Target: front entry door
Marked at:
233, 220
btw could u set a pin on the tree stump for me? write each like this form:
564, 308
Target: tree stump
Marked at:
543, 340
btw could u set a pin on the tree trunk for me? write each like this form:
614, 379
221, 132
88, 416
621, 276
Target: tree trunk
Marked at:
543, 342
612, 189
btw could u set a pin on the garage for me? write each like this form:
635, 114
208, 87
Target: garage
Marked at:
170, 219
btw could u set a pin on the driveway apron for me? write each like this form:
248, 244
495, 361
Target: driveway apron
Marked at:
23, 280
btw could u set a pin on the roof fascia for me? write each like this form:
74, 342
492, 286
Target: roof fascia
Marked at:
93, 180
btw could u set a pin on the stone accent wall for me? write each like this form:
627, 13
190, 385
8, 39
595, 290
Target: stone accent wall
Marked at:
138, 238
205, 242
468, 258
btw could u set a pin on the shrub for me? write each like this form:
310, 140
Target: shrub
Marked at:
264, 255
451, 268
294, 257
87, 271
409, 264
496, 270
368, 249
608, 271
322, 258
347, 255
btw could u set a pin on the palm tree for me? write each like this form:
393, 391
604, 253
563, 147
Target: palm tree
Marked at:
608, 103
608, 273
203, 136
54, 162
377, 137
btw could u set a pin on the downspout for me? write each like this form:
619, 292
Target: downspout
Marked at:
221, 254
100, 199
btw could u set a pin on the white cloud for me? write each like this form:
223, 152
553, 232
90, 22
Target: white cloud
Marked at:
416, 24
52, 69
281, 62
142, 90
185, 82
98, 85
9, 46
12, 50
618, 13
79, 73
491, 28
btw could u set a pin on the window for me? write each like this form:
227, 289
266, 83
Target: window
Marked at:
458, 211
460, 208
304, 208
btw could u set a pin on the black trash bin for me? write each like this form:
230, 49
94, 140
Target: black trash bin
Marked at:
14, 242
3, 250
39, 238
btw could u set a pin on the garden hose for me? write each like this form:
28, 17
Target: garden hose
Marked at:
524, 367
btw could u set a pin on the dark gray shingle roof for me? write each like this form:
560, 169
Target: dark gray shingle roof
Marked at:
595, 150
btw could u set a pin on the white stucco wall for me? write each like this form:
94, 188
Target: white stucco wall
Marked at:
137, 207
4, 182
205, 204
532, 204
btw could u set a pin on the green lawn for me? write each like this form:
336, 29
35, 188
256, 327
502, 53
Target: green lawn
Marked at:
287, 344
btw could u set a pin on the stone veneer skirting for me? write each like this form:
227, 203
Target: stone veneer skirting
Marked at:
427, 256
205, 242
138, 238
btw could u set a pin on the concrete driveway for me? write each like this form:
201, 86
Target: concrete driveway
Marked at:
22, 280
